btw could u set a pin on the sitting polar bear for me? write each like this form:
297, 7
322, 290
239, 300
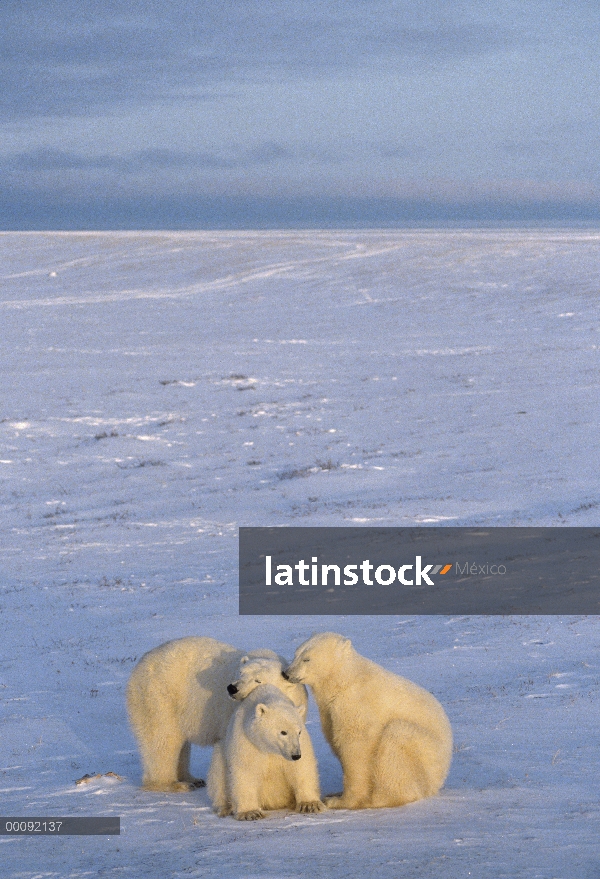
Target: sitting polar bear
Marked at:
177, 696
392, 737
266, 760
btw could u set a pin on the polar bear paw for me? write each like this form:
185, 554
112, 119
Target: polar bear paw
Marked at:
170, 787
310, 806
252, 815
196, 783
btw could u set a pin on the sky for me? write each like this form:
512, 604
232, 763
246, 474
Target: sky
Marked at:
248, 113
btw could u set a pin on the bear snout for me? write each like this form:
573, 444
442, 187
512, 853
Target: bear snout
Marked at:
292, 678
296, 756
232, 689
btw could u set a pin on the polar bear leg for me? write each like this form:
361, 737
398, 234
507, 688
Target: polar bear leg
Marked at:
245, 797
356, 758
161, 758
405, 765
217, 782
183, 768
303, 777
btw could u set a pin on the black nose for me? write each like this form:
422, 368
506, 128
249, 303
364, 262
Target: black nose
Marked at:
296, 756
285, 675
232, 689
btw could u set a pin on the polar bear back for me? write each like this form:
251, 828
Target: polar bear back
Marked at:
390, 696
185, 682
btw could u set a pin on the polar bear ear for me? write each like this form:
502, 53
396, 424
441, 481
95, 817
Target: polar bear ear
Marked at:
346, 643
260, 710
244, 660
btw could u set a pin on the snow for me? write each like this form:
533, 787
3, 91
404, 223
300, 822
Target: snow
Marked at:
162, 389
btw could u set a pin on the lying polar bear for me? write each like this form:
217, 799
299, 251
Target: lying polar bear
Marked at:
266, 760
177, 696
392, 737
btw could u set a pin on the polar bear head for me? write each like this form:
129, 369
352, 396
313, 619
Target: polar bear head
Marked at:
272, 722
320, 656
255, 671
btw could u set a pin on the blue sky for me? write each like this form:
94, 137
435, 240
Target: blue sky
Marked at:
160, 113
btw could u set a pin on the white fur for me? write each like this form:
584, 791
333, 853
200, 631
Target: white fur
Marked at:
266, 760
177, 696
268, 671
392, 737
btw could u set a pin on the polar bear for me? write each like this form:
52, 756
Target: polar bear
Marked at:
177, 696
392, 737
261, 670
266, 760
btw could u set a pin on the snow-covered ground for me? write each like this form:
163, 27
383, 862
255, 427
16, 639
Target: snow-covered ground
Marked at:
161, 389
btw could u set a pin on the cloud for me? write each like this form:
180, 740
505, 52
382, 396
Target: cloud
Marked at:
39, 161
137, 99
53, 160
83, 57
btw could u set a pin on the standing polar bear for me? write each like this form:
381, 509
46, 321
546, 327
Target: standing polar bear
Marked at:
392, 737
177, 696
266, 760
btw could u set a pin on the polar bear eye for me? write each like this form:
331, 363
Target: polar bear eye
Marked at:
256, 681
283, 732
